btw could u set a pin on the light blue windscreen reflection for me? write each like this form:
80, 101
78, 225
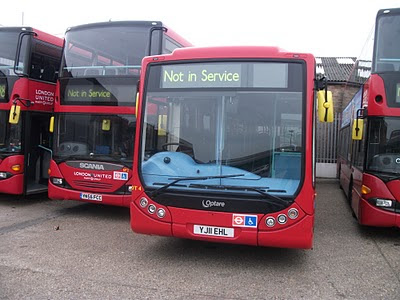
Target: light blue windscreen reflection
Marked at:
257, 135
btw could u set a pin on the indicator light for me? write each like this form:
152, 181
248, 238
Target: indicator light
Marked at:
16, 168
270, 222
365, 190
293, 213
143, 202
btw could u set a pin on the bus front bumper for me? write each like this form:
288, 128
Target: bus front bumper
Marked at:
13, 185
59, 193
373, 216
298, 235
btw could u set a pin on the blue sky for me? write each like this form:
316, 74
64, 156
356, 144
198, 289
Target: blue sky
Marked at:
324, 28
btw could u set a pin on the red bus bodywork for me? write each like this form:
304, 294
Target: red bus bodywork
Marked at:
369, 170
40, 94
111, 184
352, 178
180, 222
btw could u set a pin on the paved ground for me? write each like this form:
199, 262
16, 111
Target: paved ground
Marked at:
70, 250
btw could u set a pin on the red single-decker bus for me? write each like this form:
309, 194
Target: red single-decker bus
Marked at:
224, 147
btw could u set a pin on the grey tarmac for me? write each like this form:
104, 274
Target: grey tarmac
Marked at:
73, 250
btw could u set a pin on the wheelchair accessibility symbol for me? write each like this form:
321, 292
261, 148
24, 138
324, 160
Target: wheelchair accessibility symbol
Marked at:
250, 221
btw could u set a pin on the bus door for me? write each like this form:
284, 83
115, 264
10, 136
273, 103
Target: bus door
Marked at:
37, 152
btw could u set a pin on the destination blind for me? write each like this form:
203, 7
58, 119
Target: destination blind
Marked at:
2, 91
103, 91
224, 75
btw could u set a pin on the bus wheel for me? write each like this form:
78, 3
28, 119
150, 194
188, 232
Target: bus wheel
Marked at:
340, 183
350, 198
350, 193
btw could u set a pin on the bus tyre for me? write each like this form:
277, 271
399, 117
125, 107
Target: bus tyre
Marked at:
340, 183
350, 192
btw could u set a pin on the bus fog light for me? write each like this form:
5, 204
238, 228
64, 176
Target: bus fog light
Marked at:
151, 209
161, 213
293, 213
3, 175
270, 221
384, 203
282, 219
57, 181
143, 202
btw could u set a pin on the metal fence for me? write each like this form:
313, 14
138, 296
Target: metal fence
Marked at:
327, 138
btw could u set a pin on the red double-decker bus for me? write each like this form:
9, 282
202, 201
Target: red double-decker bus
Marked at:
369, 148
29, 60
95, 108
225, 146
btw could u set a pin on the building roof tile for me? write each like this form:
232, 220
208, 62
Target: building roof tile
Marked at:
336, 69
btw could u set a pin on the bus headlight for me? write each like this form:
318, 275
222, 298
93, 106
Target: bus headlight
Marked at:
3, 175
57, 181
161, 213
384, 202
151, 209
129, 188
282, 219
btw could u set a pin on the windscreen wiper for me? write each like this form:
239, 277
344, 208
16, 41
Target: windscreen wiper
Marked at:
176, 180
274, 199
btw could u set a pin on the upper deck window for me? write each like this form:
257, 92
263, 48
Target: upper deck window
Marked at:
387, 44
105, 50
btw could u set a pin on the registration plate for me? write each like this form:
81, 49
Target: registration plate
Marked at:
94, 197
213, 231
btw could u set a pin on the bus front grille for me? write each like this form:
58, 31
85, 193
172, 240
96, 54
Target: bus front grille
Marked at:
93, 185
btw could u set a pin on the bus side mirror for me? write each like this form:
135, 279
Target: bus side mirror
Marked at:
357, 132
51, 125
15, 112
137, 104
106, 125
325, 106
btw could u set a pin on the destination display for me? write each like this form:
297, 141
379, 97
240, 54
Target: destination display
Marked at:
81, 91
224, 75
2, 91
